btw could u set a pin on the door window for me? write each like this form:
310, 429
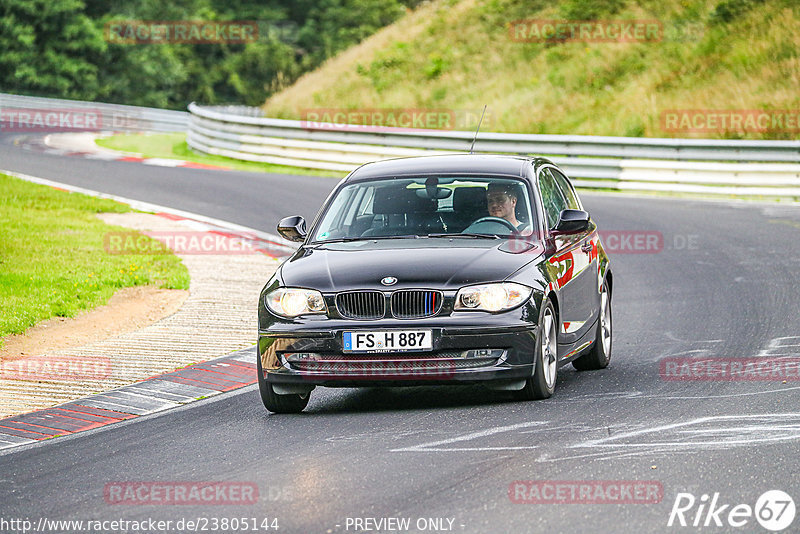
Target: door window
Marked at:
552, 198
566, 190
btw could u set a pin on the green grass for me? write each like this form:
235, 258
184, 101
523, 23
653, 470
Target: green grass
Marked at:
457, 55
52, 256
173, 146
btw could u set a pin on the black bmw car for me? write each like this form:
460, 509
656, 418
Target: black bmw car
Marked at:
437, 270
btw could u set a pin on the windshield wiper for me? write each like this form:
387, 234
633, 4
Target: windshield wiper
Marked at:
339, 240
458, 234
368, 238
405, 236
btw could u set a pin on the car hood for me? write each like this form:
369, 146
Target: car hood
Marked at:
440, 263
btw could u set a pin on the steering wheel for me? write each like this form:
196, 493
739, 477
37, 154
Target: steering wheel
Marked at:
498, 220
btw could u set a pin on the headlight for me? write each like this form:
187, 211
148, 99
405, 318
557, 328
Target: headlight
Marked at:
291, 302
492, 297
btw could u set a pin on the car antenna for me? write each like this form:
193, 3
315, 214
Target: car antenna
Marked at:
478, 129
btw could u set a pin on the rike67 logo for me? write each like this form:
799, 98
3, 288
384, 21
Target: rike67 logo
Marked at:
774, 510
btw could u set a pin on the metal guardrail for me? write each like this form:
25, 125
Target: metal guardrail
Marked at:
742, 168
763, 168
108, 117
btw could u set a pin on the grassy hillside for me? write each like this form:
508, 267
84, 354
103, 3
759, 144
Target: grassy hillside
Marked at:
458, 55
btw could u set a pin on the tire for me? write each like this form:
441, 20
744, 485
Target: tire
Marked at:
599, 355
542, 383
275, 403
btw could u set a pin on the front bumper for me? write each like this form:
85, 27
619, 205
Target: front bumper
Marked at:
476, 348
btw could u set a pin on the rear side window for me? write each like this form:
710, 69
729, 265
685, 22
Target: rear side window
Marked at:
552, 198
566, 190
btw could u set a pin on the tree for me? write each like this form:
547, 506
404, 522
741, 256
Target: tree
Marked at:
49, 47
59, 48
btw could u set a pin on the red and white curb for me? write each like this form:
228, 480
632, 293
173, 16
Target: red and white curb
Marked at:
156, 394
82, 144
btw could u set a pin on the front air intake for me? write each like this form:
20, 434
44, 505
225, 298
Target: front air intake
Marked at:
416, 303
361, 304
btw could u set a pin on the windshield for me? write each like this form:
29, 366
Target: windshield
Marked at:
428, 206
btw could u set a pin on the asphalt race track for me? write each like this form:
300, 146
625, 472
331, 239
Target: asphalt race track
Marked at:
724, 284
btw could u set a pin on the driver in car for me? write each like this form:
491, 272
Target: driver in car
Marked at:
502, 202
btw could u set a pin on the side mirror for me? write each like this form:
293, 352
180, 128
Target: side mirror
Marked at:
572, 222
293, 228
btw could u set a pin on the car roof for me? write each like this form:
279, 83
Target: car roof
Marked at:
467, 164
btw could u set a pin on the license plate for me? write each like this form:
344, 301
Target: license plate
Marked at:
389, 340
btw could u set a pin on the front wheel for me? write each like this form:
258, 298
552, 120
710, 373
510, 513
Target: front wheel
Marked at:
600, 354
542, 383
275, 403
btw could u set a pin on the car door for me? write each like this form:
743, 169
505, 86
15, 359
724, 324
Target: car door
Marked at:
588, 277
569, 262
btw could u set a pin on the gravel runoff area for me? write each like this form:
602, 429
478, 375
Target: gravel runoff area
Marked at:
218, 317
